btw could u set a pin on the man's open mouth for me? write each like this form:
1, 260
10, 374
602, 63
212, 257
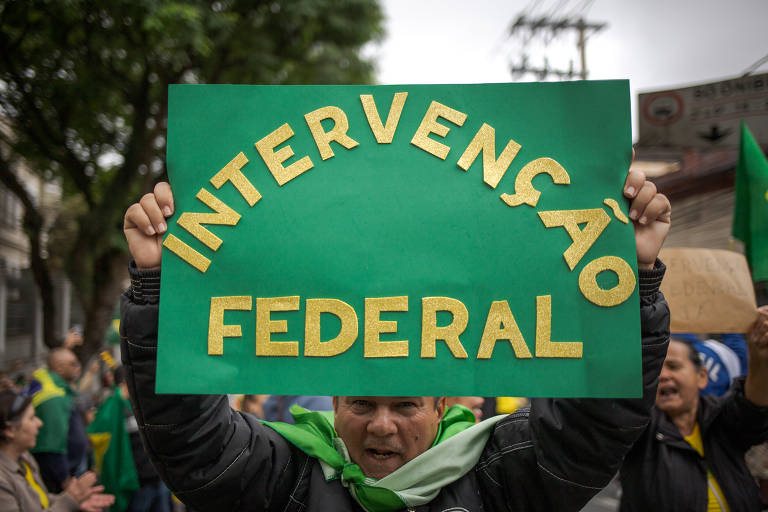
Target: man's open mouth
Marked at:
380, 454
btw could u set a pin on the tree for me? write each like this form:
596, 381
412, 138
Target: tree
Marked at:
83, 99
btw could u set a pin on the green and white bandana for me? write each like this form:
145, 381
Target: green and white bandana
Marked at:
456, 449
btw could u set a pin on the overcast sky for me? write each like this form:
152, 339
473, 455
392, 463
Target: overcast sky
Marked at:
657, 44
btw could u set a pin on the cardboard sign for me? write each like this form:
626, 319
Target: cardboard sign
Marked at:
708, 291
400, 240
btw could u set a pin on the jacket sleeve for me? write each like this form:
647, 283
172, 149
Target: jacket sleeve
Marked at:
61, 503
746, 424
562, 452
8, 500
211, 457
580, 443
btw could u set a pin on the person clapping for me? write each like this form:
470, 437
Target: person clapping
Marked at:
21, 488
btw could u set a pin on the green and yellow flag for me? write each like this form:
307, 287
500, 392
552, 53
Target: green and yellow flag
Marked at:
750, 210
112, 451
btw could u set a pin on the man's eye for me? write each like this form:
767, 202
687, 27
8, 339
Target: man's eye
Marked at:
361, 404
406, 404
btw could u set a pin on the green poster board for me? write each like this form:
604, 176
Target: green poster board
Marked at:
400, 240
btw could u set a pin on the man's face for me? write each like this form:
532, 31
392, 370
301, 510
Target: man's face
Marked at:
69, 367
383, 433
679, 382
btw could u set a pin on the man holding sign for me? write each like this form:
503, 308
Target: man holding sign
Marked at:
553, 458
334, 216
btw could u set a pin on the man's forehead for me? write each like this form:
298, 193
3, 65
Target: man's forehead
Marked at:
418, 399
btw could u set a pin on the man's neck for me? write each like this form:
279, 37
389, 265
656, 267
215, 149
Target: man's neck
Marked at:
62, 379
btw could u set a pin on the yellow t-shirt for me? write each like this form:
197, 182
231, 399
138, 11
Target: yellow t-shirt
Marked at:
716, 500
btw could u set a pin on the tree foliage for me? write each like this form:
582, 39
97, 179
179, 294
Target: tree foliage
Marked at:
83, 99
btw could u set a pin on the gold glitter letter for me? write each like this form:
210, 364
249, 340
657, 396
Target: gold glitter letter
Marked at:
187, 253
616, 209
337, 134
217, 331
485, 141
374, 326
524, 191
430, 332
275, 159
383, 134
313, 347
430, 125
583, 239
231, 172
501, 325
224, 216
617, 294
545, 347
265, 326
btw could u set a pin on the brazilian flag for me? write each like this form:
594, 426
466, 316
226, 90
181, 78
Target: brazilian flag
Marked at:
113, 330
112, 451
750, 209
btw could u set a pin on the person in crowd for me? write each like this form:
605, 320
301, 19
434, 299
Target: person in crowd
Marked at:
691, 455
725, 358
62, 446
152, 495
74, 338
473, 403
253, 404
5, 382
21, 487
757, 462
509, 404
555, 456
278, 407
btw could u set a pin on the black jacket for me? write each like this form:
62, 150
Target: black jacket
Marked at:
555, 457
663, 472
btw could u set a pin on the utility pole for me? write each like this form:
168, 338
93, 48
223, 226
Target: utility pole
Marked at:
554, 26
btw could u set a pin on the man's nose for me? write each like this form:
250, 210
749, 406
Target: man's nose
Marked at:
382, 424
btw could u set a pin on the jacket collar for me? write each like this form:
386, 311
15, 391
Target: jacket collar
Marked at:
15, 465
667, 431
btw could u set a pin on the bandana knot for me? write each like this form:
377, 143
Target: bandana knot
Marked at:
351, 473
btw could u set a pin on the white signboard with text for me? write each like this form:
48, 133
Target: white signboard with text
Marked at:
705, 116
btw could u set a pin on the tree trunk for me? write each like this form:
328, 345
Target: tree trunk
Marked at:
42, 274
108, 280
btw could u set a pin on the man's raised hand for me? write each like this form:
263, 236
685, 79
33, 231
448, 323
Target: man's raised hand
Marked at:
650, 213
144, 225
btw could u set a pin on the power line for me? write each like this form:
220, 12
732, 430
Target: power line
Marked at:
751, 69
554, 25
580, 9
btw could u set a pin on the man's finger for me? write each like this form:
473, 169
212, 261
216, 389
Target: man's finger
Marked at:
657, 209
137, 218
633, 183
164, 198
153, 211
641, 201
